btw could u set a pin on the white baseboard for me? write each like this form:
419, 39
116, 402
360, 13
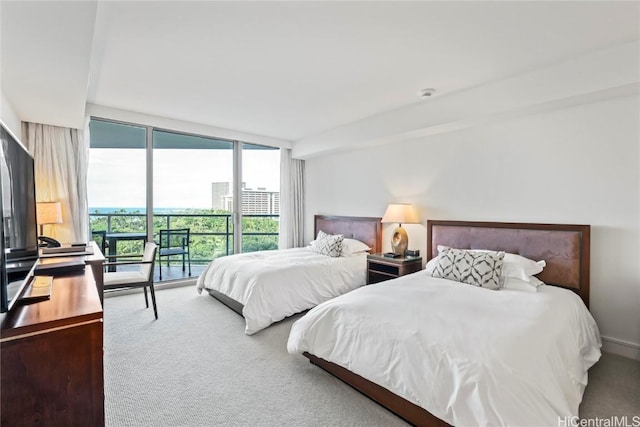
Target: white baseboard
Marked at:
621, 347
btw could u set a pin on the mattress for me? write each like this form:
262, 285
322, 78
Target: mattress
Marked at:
468, 355
276, 284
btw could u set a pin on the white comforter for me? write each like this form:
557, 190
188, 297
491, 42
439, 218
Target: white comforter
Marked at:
468, 355
275, 284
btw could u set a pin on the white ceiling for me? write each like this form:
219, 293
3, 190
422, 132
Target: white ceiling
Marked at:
286, 70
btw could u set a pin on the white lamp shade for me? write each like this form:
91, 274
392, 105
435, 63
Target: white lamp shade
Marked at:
49, 213
402, 213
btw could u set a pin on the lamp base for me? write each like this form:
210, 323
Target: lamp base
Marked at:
399, 241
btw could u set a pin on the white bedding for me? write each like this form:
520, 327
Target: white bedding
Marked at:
468, 355
275, 284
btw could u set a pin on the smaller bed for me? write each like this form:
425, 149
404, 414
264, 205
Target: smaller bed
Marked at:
268, 286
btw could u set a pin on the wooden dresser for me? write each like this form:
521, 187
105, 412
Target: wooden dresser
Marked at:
52, 357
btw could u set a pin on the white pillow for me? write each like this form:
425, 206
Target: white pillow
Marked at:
533, 281
475, 268
328, 244
353, 246
517, 266
505, 282
529, 266
520, 285
529, 285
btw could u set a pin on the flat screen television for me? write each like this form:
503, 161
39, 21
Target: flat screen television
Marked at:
18, 231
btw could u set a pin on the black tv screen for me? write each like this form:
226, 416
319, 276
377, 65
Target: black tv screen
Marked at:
18, 232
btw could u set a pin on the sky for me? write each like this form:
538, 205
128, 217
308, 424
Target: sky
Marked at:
182, 178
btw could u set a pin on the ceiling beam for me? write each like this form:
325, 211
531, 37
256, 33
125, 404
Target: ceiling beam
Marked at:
593, 77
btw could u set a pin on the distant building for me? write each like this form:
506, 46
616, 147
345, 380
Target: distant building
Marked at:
254, 202
218, 191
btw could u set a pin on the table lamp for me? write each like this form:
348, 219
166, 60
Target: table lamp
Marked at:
400, 213
48, 213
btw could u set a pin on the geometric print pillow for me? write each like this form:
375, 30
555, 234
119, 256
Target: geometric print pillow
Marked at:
321, 235
471, 267
328, 244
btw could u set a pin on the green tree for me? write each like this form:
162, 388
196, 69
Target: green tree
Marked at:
211, 230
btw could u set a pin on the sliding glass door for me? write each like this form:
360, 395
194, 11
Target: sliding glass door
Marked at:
192, 190
260, 197
117, 186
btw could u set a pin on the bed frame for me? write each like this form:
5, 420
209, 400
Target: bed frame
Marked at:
366, 229
565, 248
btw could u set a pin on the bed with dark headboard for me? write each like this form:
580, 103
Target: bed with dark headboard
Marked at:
565, 248
366, 229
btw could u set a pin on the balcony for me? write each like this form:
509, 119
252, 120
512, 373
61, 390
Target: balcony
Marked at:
211, 236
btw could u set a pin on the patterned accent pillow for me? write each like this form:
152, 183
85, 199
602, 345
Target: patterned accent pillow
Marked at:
471, 267
328, 244
322, 235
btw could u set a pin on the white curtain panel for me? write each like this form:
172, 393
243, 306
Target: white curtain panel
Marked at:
61, 159
291, 201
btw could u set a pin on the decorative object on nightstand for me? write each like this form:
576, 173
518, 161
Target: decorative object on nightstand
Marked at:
381, 267
402, 213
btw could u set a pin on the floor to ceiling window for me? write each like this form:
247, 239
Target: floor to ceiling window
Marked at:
143, 180
117, 184
192, 183
260, 197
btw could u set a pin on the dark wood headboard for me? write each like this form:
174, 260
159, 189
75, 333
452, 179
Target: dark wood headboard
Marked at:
366, 229
564, 247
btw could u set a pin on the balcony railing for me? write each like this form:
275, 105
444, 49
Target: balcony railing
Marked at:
211, 234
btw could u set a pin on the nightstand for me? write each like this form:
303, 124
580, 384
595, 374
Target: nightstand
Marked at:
381, 268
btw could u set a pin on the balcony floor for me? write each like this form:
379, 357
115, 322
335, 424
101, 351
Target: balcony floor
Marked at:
171, 273
175, 272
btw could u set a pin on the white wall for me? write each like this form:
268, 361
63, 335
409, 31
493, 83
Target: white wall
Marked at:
575, 165
9, 116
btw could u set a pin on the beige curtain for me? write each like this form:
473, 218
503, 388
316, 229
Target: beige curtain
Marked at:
291, 201
61, 158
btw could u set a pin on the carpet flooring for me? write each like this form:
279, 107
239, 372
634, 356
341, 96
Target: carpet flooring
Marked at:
196, 367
